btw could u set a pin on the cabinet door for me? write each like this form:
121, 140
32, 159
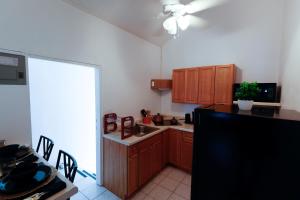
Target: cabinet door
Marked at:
206, 85
186, 151
178, 86
132, 174
165, 151
191, 85
156, 156
224, 80
174, 147
144, 164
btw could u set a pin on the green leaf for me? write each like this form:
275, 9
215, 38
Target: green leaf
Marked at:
247, 91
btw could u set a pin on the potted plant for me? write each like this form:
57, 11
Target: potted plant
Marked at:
245, 95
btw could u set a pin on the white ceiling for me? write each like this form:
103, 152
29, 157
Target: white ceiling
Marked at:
139, 17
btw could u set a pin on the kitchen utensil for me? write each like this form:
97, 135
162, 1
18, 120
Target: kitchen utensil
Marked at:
144, 113
158, 119
174, 121
147, 120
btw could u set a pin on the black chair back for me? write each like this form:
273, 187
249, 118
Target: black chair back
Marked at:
47, 146
70, 165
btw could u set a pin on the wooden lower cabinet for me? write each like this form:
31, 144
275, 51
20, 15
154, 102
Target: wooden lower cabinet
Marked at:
144, 164
127, 169
186, 151
174, 147
133, 176
156, 155
165, 146
181, 149
115, 167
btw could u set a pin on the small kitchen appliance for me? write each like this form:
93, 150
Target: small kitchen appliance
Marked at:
187, 118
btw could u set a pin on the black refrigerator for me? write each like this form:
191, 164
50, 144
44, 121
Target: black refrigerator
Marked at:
245, 155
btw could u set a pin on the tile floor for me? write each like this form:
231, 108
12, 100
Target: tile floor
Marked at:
170, 184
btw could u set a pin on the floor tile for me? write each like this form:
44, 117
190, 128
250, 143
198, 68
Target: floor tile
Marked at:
107, 195
176, 197
79, 178
79, 196
187, 180
177, 175
148, 188
93, 191
138, 196
149, 198
85, 183
160, 193
159, 178
167, 171
169, 184
183, 191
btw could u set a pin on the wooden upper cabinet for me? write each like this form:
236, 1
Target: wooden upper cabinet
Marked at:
206, 88
161, 84
191, 85
204, 85
178, 86
224, 80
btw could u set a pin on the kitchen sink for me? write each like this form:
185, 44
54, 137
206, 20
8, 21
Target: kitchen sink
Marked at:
142, 130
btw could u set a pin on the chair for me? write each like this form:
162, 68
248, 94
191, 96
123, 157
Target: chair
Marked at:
47, 147
70, 165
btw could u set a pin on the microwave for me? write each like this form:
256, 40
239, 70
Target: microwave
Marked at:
268, 93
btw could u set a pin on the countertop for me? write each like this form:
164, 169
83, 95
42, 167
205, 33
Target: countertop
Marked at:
257, 111
116, 136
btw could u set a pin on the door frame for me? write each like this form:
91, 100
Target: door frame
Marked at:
99, 105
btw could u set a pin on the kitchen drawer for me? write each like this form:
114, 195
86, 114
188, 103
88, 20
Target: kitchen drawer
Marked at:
187, 134
187, 138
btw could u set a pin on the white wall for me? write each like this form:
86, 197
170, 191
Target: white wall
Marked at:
54, 29
291, 60
246, 33
14, 114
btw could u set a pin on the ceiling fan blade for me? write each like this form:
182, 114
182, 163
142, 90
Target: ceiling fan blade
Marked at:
197, 22
200, 5
169, 2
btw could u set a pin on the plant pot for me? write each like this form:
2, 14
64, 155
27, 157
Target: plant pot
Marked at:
245, 104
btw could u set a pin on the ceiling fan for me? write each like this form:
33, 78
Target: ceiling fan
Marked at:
179, 16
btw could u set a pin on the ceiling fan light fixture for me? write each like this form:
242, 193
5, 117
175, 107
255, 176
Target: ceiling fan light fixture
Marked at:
183, 22
170, 24
173, 30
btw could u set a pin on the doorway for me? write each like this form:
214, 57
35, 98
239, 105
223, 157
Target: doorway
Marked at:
65, 106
